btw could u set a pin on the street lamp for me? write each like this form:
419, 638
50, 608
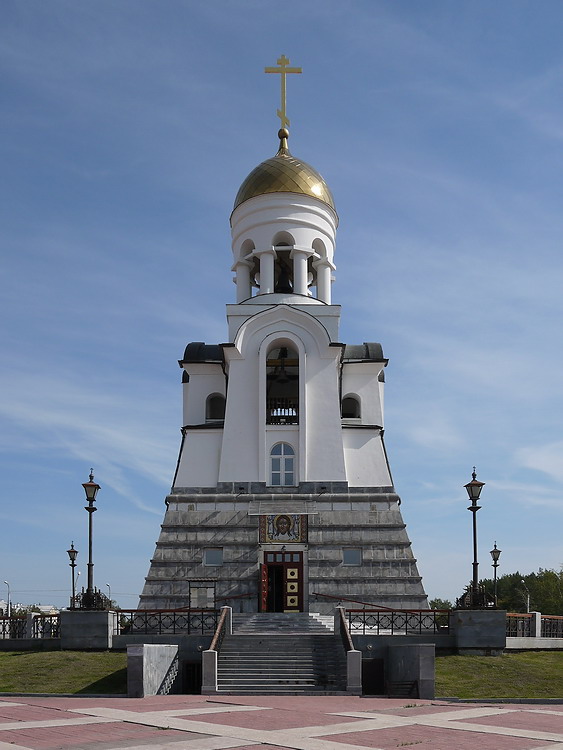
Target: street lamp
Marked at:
91, 490
495, 554
526, 589
474, 488
73, 554
109, 593
9, 610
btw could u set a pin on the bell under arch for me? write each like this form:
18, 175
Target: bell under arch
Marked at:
282, 383
283, 243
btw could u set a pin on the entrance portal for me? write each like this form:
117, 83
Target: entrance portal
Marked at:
282, 582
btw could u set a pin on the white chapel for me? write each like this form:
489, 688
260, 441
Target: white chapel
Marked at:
282, 499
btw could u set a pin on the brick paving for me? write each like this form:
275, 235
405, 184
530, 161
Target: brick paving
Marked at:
194, 722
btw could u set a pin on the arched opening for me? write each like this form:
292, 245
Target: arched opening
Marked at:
282, 465
283, 266
322, 270
252, 263
215, 408
350, 408
282, 385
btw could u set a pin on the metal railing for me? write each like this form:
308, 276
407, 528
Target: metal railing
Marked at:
282, 411
166, 621
46, 626
370, 605
518, 625
13, 627
30, 626
220, 632
398, 622
551, 626
345, 636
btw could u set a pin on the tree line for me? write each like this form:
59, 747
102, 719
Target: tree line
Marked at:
517, 592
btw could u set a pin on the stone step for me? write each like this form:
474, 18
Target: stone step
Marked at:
271, 653
294, 623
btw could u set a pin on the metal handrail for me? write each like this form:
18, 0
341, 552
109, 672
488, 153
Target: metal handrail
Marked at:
219, 632
371, 604
236, 596
345, 635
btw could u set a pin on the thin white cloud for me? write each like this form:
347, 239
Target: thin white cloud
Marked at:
547, 459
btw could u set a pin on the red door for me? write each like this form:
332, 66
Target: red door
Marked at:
282, 582
263, 588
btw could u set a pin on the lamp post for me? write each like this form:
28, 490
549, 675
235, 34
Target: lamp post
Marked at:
526, 589
474, 488
73, 554
9, 610
495, 554
91, 490
109, 593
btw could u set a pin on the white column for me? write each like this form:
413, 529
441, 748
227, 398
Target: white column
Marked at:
324, 282
266, 271
299, 271
243, 281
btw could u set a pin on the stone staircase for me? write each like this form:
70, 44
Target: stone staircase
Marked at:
277, 653
280, 623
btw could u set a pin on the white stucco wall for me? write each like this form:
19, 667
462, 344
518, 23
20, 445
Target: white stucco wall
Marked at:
304, 217
205, 379
199, 462
361, 379
247, 441
365, 458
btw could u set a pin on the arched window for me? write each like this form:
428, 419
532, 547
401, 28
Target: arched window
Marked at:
282, 385
350, 407
215, 408
282, 465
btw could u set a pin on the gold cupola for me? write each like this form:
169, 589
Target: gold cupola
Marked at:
283, 173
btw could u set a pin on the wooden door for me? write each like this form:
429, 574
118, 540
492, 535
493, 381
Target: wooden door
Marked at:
284, 581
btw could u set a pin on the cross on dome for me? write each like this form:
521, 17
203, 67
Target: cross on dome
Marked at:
283, 62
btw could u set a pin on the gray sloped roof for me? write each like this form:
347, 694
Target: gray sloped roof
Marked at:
369, 351
198, 351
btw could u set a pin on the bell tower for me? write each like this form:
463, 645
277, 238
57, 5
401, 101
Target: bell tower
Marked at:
282, 498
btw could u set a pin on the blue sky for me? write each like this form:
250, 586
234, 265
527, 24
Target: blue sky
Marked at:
127, 130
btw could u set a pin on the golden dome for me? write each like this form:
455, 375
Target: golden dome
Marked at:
283, 173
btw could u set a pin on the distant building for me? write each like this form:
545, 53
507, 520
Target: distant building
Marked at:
282, 498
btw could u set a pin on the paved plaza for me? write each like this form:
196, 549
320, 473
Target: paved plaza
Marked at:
194, 722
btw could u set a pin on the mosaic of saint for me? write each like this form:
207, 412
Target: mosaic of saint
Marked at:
286, 527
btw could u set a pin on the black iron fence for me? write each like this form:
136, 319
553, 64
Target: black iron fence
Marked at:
13, 627
166, 621
551, 626
398, 622
46, 626
518, 625
34, 626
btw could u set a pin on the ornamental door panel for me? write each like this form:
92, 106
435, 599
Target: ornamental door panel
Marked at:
284, 582
263, 588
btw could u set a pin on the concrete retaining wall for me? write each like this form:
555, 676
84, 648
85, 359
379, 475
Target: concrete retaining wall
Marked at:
83, 630
147, 667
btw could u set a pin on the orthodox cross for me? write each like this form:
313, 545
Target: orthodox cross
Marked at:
283, 62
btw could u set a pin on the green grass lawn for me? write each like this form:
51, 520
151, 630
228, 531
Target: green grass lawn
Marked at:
529, 674
80, 672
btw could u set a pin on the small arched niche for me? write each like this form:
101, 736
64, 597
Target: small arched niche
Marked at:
215, 408
350, 407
